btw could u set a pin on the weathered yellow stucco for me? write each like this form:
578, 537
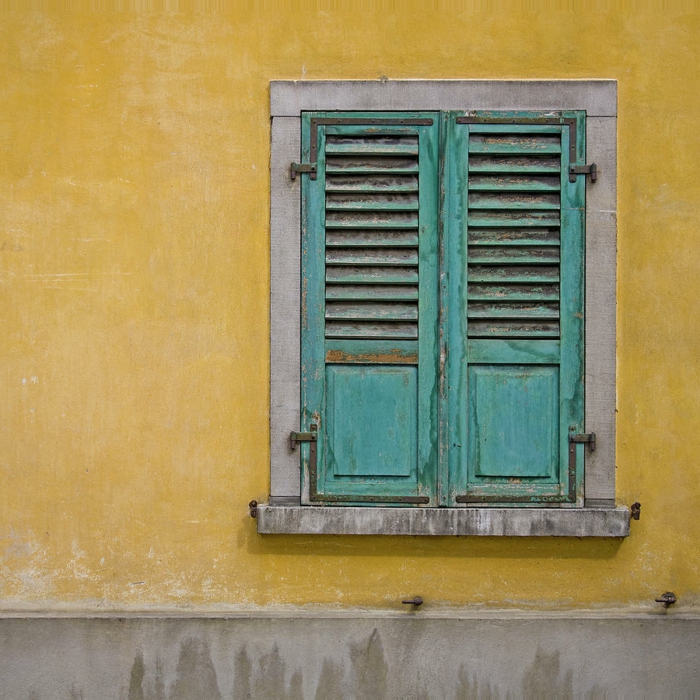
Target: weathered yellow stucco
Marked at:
134, 233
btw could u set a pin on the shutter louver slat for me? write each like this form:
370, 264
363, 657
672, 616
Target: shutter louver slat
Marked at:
516, 165
514, 235
371, 225
375, 218
512, 255
372, 256
514, 200
360, 238
370, 292
371, 165
500, 183
362, 311
395, 331
514, 144
515, 292
343, 183
372, 275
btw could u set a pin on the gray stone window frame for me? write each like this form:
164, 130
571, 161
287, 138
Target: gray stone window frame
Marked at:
288, 99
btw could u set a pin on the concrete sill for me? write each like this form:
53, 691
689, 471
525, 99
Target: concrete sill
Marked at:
506, 522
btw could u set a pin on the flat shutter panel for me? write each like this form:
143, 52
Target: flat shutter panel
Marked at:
369, 308
518, 341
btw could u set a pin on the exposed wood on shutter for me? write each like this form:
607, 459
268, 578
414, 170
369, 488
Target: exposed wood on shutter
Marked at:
371, 225
514, 234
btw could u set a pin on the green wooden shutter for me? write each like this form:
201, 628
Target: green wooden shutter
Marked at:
516, 322
369, 308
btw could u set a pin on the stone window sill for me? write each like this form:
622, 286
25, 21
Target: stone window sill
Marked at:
469, 522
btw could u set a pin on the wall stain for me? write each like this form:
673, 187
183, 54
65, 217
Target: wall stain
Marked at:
330, 682
138, 671
469, 688
158, 684
370, 668
242, 671
543, 678
196, 676
270, 679
296, 691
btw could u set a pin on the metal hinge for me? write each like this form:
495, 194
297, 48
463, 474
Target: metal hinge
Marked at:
301, 437
588, 438
296, 168
591, 170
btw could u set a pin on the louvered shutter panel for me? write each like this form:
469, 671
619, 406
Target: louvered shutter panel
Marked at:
369, 308
518, 339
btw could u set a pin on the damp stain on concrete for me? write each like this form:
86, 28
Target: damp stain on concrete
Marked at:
370, 667
545, 678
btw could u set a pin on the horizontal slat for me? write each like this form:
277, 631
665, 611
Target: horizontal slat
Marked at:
516, 273
366, 171
375, 183
371, 237
398, 352
497, 144
369, 139
374, 148
377, 201
373, 206
513, 200
512, 255
514, 236
359, 329
520, 219
371, 256
514, 165
364, 292
513, 352
513, 292
508, 183
513, 329
490, 127
377, 128
372, 275
379, 164
371, 311
509, 309
336, 219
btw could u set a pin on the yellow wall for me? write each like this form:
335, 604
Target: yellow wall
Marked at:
134, 230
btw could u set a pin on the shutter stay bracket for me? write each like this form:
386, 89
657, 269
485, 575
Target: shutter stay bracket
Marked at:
591, 170
296, 168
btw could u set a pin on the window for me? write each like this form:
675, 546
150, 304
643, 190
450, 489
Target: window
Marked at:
428, 309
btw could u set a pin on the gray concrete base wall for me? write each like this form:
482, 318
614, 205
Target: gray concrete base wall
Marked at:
343, 656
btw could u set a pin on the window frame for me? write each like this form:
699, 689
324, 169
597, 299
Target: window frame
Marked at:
288, 99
